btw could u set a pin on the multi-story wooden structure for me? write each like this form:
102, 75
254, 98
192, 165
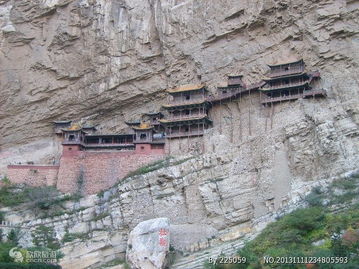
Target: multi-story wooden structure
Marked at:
289, 81
187, 112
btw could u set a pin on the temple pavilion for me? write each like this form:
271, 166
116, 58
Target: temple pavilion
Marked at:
61, 124
234, 89
289, 81
187, 109
85, 138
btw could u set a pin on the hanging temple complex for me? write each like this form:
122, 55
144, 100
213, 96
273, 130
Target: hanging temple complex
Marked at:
98, 161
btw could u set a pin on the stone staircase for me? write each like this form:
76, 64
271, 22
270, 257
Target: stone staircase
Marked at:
197, 259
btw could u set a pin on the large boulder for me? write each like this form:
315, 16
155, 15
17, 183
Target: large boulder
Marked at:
148, 244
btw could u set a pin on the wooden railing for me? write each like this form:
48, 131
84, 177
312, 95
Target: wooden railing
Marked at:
232, 93
186, 117
310, 93
284, 85
291, 71
185, 134
108, 145
186, 102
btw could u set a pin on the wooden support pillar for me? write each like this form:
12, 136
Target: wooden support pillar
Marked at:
249, 114
271, 119
220, 116
203, 149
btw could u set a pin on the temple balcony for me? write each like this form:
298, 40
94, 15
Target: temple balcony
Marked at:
185, 134
108, 146
198, 119
304, 94
285, 85
158, 140
232, 92
291, 71
74, 142
187, 117
191, 101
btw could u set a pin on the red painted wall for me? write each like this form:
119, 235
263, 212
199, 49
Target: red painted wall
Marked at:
91, 172
33, 175
86, 171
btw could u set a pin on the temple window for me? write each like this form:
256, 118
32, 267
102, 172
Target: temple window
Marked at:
106, 140
187, 97
71, 137
143, 136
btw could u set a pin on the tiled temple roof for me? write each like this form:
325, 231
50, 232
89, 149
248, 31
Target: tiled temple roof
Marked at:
285, 62
186, 88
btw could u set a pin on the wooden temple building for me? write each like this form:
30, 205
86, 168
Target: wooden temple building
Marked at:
187, 110
61, 124
289, 81
102, 159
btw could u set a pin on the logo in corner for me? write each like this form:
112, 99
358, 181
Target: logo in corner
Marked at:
16, 254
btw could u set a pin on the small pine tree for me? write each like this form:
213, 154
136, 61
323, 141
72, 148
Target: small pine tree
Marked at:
13, 237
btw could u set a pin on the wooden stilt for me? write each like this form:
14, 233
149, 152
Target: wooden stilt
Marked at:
169, 141
240, 118
271, 119
203, 137
189, 132
220, 116
249, 114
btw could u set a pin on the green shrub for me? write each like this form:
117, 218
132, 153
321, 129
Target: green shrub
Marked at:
101, 216
4, 252
149, 168
315, 198
69, 237
115, 262
306, 219
44, 236
2, 216
294, 234
9, 196
13, 236
5, 180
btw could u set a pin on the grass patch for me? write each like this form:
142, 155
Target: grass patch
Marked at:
115, 262
150, 167
12, 196
43, 197
69, 237
156, 166
45, 201
101, 216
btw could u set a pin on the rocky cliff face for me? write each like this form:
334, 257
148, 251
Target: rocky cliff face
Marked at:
107, 61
